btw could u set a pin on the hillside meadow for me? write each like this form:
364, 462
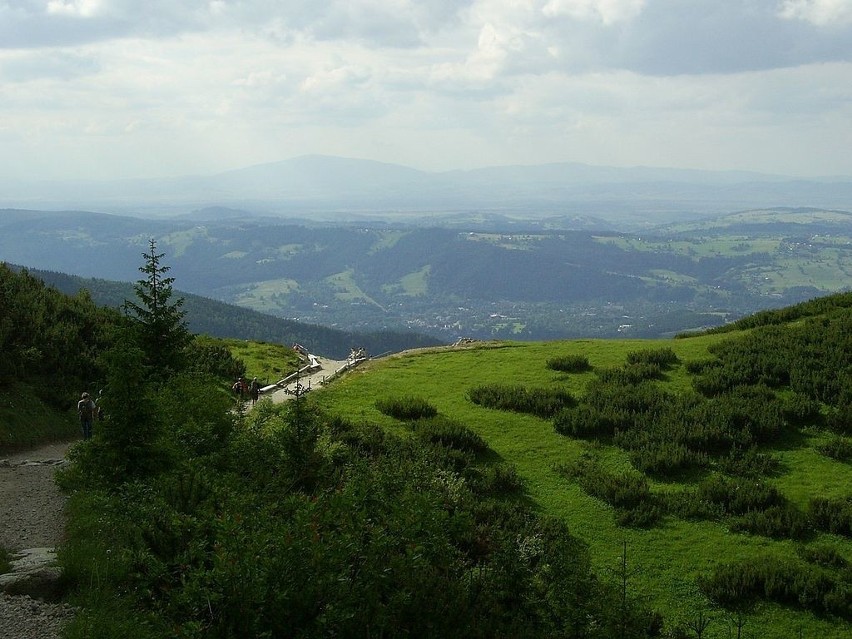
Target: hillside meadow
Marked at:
664, 561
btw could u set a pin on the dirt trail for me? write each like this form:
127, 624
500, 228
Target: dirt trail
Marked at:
312, 380
32, 515
31, 506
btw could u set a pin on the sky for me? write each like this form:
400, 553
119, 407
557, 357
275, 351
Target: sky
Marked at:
106, 89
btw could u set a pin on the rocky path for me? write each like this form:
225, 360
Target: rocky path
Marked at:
31, 525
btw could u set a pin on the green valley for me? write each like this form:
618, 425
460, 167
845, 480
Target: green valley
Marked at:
480, 277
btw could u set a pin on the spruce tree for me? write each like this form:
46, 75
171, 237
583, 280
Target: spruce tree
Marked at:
162, 331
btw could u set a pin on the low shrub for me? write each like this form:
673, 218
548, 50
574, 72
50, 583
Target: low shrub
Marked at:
450, 433
699, 366
783, 581
214, 358
832, 515
839, 420
363, 440
839, 448
584, 421
739, 496
662, 357
501, 480
822, 555
666, 458
541, 402
749, 462
800, 409
778, 522
569, 363
628, 494
406, 408
631, 374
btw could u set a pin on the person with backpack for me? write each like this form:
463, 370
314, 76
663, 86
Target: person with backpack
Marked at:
254, 391
86, 410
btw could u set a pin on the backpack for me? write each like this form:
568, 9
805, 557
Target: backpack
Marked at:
86, 408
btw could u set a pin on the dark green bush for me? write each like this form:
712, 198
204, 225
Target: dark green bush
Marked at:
631, 374
628, 494
839, 448
739, 496
778, 522
801, 409
569, 363
406, 408
666, 458
363, 440
662, 357
699, 366
832, 515
749, 462
783, 581
542, 402
839, 420
450, 433
822, 555
501, 480
584, 421
206, 356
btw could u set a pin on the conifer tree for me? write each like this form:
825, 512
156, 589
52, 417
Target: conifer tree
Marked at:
163, 334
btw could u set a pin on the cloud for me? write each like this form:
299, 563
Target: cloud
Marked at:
819, 12
191, 85
672, 37
608, 12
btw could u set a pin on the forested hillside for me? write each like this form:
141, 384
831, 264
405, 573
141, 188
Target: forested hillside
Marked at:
50, 343
211, 317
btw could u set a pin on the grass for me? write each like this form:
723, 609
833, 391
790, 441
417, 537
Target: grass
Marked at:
268, 295
665, 561
268, 362
347, 289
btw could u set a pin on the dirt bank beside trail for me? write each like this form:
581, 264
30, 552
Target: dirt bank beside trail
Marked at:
32, 515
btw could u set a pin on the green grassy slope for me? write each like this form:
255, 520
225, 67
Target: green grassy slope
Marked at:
664, 561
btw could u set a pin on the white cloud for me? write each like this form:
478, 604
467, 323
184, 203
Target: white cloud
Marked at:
819, 12
606, 11
188, 86
77, 8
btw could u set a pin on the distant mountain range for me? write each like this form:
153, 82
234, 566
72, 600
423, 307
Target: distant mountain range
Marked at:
333, 188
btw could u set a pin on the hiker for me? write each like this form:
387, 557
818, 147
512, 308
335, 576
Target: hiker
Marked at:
254, 390
238, 387
86, 411
99, 410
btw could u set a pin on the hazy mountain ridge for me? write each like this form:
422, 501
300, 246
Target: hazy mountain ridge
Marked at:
325, 187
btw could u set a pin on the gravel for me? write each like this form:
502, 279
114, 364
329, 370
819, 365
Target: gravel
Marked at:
31, 515
22, 617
